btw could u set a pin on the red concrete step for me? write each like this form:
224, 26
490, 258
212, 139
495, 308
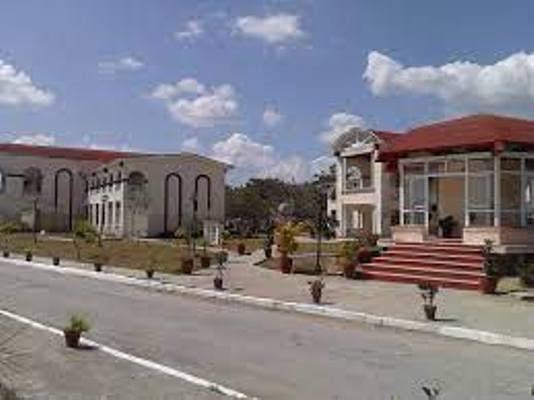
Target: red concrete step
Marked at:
428, 262
468, 284
438, 248
452, 257
442, 273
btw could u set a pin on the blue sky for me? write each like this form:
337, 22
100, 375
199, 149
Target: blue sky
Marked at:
262, 84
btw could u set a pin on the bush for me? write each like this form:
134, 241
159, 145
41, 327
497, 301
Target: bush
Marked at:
78, 323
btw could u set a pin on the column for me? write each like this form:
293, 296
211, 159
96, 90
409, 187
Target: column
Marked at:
427, 199
401, 193
523, 195
466, 192
497, 191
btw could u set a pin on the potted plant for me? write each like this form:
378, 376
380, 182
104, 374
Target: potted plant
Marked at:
491, 269
428, 293
349, 257
316, 289
286, 242
55, 260
218, 280
100, 258
365, 255
29, 254
447, 226
205, 259
72, 332
241, 248
187, 258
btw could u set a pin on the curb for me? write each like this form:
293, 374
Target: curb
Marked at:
449, 331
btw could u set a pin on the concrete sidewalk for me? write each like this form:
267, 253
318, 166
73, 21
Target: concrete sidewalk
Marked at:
500, 314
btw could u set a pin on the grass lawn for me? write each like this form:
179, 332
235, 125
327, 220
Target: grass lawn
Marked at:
121, 253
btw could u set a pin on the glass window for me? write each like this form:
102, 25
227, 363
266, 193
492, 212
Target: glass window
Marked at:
480, 192
414, 169
529, 164
414, 193
481, 218
480, 165
510, 191
511, 164
435, 167
456, 166
354, 179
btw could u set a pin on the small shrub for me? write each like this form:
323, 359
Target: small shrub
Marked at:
78, 323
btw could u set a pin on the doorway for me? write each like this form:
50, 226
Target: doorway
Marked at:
446, 206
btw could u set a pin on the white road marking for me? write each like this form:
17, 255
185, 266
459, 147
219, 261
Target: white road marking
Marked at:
215, 387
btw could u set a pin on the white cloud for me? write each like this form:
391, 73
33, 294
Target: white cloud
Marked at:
275, 29
193, 29
293, 169
254, 159
506, 86
122, 64
17, 88
191, 103
166, 91
191, 144
35, 140
338, 124
271, 117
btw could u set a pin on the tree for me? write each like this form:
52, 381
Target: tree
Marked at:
84, 232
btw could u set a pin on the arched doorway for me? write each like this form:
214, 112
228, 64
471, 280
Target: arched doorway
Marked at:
172, 203
63, 193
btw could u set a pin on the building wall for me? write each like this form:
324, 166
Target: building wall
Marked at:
15, 204
149, 218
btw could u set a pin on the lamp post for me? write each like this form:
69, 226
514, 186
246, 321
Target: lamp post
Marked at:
320, 221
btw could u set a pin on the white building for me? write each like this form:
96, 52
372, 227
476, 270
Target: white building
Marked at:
121, 193
364, 199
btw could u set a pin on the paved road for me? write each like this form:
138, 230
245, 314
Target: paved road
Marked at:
261, 353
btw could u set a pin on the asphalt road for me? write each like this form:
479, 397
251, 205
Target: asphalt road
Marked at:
266, 354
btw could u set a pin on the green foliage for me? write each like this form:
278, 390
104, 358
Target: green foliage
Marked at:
78, 323
491, 264
84, 231
286, 237
349, 250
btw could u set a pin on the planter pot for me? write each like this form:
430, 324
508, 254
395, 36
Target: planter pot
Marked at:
241, 249
268, 253
205, 262
364, 256
430, 312
149, 273
348, 270
488, 284
55, 261
316, 291
218, 283
72, 338
29, 257
5, 253
187, 266
98, 267
285, 264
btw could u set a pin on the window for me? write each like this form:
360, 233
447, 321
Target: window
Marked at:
118, 213
33, 180
354, 178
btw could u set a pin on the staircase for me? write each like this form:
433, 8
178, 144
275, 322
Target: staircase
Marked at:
446, 263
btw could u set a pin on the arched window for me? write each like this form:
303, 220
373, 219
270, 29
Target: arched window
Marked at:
136, 191
172, 202
197, 198
354, 177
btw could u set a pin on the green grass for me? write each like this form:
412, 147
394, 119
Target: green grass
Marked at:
121, 253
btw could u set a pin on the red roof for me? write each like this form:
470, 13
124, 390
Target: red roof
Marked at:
471, 132
64, 152
385, 136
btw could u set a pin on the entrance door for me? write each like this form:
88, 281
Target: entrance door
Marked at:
446, 206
